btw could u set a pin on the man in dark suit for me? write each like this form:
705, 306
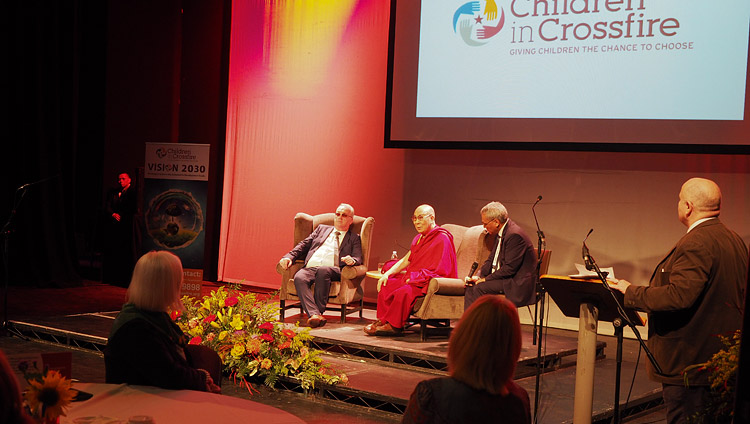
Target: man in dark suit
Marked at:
695, 294
326, 250
511, 267
121, 247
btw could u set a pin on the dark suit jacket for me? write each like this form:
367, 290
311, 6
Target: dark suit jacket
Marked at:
517, 265
351, 245
694, 295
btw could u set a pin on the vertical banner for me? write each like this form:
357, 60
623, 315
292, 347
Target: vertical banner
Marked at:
174, 202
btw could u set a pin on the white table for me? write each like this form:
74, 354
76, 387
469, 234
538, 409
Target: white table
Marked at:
115, 403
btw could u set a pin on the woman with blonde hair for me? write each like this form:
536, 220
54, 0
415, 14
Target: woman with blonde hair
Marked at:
145, 346
482, 355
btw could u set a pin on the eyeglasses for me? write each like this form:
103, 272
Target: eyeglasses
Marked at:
420, 217
341, 214
485, 224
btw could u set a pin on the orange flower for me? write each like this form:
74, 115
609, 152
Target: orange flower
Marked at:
266, 363
52, 394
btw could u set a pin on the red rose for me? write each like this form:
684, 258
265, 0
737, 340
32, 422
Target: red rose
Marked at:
209, 318
266, 326
195, 340
230, 301
175, 315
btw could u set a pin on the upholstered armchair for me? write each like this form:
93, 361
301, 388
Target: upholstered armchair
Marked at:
343, 292
444, 300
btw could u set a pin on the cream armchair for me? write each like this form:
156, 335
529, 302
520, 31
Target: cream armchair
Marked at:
444, 300
343, 292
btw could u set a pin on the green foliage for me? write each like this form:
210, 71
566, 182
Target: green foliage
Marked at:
723, 378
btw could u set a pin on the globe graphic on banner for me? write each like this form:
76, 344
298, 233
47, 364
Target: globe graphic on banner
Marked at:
174, 219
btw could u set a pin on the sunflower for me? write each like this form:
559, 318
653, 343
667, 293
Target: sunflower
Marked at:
52, 394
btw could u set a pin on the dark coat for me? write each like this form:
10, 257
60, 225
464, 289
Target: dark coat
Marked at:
694, 295
147, 348
517, 265
449, 401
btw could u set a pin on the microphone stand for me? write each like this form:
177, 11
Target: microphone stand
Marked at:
618, 324
539, 309
6, 232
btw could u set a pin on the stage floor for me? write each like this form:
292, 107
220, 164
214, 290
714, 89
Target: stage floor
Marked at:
382, 371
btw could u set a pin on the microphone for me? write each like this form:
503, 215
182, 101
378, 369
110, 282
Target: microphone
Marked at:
587, 260
473, 269
27, 185
539, 231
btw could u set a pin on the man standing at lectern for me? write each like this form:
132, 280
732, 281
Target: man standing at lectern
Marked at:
511, 267
695, 295
326, 250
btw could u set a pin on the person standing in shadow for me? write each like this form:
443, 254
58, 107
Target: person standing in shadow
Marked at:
482, 355
120, 239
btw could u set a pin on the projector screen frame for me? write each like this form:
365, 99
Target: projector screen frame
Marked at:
739, 129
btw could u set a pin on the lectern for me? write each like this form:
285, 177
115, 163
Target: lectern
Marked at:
590, 302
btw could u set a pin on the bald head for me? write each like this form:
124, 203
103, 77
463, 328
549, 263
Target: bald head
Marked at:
699, 198
424, 219
424, 209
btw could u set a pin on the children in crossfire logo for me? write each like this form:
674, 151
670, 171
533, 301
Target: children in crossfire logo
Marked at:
476, 26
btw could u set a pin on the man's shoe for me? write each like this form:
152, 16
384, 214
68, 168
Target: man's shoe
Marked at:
316, 321
370, 328
387, 330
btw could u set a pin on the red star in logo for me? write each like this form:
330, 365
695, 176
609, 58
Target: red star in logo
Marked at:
478, 19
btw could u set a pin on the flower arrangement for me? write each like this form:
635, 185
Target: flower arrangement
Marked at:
251, 343
48, 393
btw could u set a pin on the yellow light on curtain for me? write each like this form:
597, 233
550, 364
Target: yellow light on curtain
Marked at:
300, 40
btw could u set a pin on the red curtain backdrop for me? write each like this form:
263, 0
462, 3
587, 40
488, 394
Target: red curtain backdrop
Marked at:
304, 127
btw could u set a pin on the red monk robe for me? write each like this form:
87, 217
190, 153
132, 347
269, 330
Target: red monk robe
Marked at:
432, 255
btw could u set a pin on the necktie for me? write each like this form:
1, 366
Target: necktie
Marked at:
497, 254
336, 248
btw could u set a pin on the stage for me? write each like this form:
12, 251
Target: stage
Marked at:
382, 371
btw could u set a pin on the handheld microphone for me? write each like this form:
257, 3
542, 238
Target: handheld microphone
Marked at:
473, 269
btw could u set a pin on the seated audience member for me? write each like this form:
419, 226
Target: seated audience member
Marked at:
510, 268
145, 346
431, 255
482, 355
323, 262
11, 402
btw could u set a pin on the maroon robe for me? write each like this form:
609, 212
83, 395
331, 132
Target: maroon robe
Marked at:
432, 255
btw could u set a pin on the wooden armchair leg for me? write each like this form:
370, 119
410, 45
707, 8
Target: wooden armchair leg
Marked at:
423, 330
343, 314
282, 310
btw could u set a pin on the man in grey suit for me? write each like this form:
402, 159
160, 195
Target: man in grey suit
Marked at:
511, 267
326, 250
695, 294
